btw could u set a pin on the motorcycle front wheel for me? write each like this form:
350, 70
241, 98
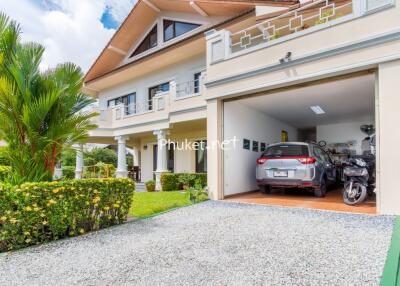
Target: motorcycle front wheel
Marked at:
354, 196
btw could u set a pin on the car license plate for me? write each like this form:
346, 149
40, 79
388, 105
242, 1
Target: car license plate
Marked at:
280, 173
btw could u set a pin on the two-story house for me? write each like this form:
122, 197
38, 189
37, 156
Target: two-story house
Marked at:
249, 73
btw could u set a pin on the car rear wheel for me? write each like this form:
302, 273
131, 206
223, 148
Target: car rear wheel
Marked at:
320, 192
265, 189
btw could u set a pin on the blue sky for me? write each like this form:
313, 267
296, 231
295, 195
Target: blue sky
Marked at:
71, 30
108, 19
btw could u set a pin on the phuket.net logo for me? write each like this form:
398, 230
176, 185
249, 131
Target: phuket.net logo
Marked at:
227, 144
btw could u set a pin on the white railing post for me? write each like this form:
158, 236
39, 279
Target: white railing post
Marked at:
172, 89
359, 7
202, 80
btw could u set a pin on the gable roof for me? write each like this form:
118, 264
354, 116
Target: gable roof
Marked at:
144, 13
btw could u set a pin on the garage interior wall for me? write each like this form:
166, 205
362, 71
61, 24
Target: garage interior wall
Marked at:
244, 122
344, 132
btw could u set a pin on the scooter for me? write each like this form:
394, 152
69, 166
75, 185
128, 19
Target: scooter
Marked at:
359, 174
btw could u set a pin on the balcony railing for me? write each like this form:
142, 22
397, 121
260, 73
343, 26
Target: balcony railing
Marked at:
310, 17
138, 108
187, 89
159, 102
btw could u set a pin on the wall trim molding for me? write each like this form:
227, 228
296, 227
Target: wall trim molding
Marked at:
365, 65
191, 109
357, 45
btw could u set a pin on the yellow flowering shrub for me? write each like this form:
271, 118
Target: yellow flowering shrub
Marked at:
34, 213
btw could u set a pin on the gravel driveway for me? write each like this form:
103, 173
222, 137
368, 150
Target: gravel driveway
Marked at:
214, 243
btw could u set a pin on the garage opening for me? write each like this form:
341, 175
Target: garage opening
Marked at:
328, 114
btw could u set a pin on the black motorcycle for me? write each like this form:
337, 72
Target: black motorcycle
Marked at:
359, 172
359, 179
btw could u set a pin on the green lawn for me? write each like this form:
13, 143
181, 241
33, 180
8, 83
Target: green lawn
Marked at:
147, 204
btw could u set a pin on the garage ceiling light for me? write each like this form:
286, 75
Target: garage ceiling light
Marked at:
317, 109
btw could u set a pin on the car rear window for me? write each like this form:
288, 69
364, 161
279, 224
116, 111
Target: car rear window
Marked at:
286, 150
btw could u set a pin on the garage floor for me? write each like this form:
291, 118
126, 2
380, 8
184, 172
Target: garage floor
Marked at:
296, 198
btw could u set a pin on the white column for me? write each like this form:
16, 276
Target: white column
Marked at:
136, 156
58, 173
79, 162
122, 171
162, 166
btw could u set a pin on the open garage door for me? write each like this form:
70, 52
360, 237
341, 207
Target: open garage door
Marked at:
330, 111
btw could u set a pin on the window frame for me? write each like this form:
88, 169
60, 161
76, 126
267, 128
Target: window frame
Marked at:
121, 101
133, 53
150, 97
181, 21
196, 82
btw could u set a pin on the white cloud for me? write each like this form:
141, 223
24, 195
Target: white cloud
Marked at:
119, 9
70, 30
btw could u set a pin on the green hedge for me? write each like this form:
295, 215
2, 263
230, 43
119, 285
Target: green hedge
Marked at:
68, 172
178, 181
34, 213
4, 172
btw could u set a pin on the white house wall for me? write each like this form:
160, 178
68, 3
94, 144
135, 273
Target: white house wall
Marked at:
247, 123
183, 72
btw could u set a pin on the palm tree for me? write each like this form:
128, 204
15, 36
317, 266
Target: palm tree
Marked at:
40, 112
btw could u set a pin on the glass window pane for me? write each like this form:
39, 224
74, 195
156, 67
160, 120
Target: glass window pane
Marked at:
286, 150
174, 29
182, 28
201, 157
149, 42
197, 82
168, 30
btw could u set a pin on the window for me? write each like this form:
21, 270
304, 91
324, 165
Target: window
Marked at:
201, 157
255, 146
246, 144
173, 29
127, 100
149, 42
197, 82
321, 155
286, 150
262, 146
153, 91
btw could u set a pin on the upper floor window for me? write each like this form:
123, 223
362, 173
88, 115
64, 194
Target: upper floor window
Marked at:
197, 82
149, 42
127, 101
153, 91
173, 29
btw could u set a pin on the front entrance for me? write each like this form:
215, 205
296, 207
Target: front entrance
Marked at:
170, 158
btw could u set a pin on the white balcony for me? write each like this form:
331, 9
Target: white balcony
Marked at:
310, 17
160, 105
188, 89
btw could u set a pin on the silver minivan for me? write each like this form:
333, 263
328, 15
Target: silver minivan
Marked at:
295, 165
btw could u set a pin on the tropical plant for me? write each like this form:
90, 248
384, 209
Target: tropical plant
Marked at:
91, 157
41, 112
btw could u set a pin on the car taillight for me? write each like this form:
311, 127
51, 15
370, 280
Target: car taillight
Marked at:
307, 160
261, 160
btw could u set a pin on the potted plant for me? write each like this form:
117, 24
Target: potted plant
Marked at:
150, 185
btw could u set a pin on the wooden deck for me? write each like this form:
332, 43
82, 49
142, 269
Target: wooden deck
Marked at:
333, 201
